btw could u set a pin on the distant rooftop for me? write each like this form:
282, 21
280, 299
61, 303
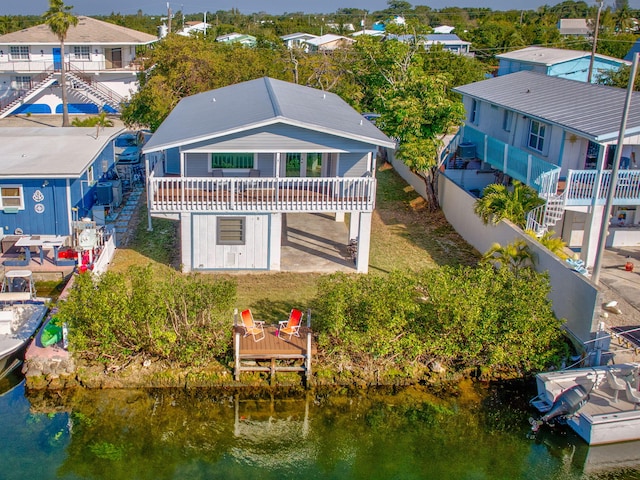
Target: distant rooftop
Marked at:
88, 31
550, 56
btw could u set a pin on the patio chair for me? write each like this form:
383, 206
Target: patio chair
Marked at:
291, 326
252, 327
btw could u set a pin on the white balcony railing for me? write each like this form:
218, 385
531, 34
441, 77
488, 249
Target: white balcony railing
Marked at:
36, 66
585, 186
208, 194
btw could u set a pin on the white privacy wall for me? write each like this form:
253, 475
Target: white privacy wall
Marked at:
574, 297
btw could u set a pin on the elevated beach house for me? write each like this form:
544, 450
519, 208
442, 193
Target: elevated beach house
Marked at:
558, 136
232, 164
100, 60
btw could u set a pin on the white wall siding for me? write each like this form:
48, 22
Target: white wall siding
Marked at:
279, 138
353, 164
254, 254
266, 164
197, 165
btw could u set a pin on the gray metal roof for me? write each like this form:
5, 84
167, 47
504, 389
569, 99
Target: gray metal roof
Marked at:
50, 152
88, 31
592, 111
257, 103
552, 56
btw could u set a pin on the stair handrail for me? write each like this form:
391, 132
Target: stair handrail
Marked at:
112, 95
537, 218
17, 94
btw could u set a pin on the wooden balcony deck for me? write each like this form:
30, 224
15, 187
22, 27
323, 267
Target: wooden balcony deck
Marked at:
271, 354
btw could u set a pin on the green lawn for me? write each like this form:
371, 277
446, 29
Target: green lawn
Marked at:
405, 236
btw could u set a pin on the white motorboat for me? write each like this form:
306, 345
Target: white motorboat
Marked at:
20, 316
601, 404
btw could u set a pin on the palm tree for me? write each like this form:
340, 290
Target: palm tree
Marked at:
59, 21
554, 244
499, 202
514, 255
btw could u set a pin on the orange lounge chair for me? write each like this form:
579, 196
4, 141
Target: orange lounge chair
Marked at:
252, 327
292, 325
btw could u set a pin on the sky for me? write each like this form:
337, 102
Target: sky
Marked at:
152, 7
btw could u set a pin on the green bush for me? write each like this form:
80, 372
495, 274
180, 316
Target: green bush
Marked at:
497, 320
184, 318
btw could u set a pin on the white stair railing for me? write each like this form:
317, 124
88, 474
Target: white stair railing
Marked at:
541, 218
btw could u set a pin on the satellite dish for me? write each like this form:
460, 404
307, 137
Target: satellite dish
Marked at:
88, 238
18, 231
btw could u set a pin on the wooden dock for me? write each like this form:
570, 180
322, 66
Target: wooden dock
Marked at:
274, 353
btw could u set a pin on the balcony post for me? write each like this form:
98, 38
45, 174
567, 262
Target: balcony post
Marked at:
505, 160
364, 242
486, 148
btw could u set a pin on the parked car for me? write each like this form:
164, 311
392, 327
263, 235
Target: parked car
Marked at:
128, 147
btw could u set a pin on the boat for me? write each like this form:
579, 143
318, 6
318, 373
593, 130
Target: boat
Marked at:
601, 404
21, 313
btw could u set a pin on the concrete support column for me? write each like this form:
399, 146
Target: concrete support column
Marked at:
186, 241
340, 217
591, 235
303, 164
364, 242
275, 241
354, 225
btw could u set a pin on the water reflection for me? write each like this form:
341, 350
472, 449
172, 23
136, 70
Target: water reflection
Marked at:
165, 434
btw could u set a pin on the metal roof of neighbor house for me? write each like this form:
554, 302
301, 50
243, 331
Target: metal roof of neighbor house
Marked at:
292, 36
50, 152
256, 103
327, 38
88, 31
574, 26
593, 111
551, 56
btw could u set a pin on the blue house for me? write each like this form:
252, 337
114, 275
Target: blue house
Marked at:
557, 62
50, 176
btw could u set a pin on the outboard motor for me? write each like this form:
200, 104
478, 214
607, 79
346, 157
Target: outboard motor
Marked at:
567, 404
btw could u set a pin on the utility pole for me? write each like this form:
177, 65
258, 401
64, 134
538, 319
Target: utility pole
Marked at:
595, 42
168, 17
604, 228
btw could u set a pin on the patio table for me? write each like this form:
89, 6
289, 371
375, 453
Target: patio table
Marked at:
42, 242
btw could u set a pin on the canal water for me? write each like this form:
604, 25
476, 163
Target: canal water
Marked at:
479, 432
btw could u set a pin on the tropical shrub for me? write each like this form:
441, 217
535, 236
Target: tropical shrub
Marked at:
500, 202
498, 321
515, 255
183, 318
552, 243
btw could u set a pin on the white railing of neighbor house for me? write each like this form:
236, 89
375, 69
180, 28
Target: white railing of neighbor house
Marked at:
519, 164
583, 186
108, 250
209, 194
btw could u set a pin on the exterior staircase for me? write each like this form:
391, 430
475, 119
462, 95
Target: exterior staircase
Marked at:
542, 218
20, 97
94, 92
80, 83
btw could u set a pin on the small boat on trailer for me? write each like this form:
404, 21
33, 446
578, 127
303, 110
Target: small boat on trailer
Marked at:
601, 404
21, 313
